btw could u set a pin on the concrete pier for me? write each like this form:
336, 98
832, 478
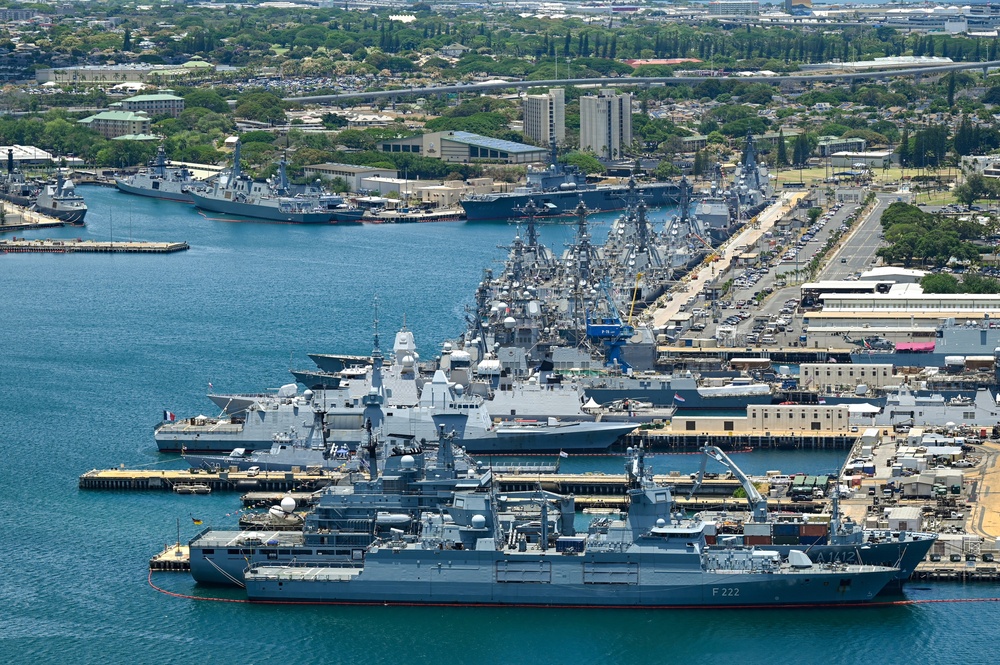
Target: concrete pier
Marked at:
17, 219
23, 246
173, 558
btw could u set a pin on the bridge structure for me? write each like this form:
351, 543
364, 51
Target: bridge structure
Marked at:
396, 93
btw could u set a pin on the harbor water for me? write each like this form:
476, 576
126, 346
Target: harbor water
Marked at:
97, 346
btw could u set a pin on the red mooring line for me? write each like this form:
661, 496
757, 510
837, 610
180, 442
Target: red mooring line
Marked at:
889, 603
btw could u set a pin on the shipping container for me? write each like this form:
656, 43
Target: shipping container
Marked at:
753, 529
785, 540
780, 529
709, 540
813, 530
756, 540
812, 540
570, 543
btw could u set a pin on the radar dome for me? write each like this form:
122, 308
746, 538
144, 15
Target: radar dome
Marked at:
308, 395
288, 504
478, 522
661, 523
407, 461
509, 322
407, 361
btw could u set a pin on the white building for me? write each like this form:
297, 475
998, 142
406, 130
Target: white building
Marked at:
545, 116
733, 8
606, 123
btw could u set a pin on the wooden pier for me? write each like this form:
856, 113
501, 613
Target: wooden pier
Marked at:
47, 246
222, 481
173, 558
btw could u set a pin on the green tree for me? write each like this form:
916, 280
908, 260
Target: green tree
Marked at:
587, 162
939, 283
782, 156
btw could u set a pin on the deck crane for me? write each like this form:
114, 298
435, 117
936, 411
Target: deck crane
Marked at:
758, 504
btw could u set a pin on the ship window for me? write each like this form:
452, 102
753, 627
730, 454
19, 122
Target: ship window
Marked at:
815, 425
727, 425
968, 415
208, 551
689, 426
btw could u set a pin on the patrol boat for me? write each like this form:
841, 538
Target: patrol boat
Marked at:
161, 181
652, 557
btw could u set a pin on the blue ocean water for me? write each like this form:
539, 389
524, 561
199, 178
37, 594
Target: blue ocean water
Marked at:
95, 347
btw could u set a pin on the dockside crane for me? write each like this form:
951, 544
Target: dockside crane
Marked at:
758, 504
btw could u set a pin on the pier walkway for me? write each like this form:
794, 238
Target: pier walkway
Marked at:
47, 246
692, 285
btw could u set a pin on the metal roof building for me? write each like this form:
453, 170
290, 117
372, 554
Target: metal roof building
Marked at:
465, 147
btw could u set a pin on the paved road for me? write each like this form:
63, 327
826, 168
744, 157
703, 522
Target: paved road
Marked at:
858, 251
638, 80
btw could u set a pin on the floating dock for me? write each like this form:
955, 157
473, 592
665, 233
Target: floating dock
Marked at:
47, 246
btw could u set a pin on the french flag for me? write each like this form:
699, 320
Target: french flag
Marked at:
169, 416
678, 398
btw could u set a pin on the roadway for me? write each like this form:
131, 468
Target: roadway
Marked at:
639, 80
857, 252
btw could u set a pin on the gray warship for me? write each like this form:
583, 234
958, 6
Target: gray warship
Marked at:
839, 540
652, 557
235, 193
161, 181
59, 199
13, 185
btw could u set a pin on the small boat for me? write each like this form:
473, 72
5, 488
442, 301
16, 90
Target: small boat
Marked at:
192, 488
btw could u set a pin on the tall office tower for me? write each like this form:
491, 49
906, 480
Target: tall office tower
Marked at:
545, 116
606, 123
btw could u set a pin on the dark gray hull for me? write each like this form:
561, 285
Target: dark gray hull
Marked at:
450, 577
167, 193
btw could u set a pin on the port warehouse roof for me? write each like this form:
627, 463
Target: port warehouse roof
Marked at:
460, 146
25, 154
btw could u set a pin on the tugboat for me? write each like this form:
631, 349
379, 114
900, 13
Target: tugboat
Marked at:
161, 181
13, 186
59, 199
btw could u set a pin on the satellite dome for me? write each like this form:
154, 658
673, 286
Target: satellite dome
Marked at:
407, 462
288, 504
509, 322
478, 522
661, 523
308, 395
447, 346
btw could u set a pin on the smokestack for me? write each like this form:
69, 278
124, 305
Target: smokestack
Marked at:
10, 160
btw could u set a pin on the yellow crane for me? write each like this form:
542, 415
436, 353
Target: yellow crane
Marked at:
635, 296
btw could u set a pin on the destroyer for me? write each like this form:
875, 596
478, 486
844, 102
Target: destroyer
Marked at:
161, 181
651, 558
235, 193
13, 186
59, 199
557, 190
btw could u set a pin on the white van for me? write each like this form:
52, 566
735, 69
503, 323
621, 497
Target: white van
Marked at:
767, 339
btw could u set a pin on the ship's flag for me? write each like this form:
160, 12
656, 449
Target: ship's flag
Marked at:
196, 520
822, 401
678, 398
210, 386
169, 416
563, 453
